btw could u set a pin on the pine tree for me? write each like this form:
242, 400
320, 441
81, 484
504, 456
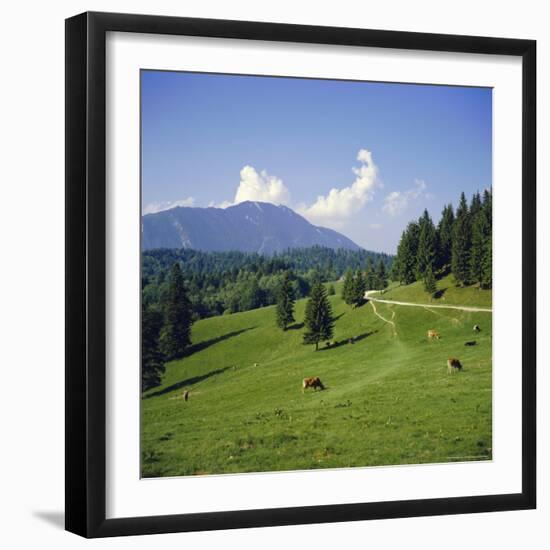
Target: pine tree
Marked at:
176, 333
395, 269
370, 276
445, 238
406, 254
381, 276
487, 206
318, 317
430, 284
359, 287
285, 303
461, 243
487, 273
480, 234
425, 256
475, 206
347, 287
152, 360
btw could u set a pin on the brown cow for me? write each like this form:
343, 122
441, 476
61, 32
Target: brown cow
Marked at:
312, 382
453, 365
434, 334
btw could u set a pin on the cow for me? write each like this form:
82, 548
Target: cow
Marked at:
312, 382
434, 334
470, 343
186, 395
476, 328
453, 365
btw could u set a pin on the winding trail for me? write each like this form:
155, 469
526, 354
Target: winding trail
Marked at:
383, 318
425, 306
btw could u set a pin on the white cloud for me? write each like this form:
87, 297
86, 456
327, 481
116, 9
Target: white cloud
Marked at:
260, 186
154, 207
338, 205
397, 201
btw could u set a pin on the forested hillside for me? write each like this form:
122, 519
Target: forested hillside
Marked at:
461, 244
220, 282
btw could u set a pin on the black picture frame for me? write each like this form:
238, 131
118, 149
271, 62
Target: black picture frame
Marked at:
86, 279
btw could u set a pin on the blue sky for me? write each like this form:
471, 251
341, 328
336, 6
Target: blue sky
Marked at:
362, 158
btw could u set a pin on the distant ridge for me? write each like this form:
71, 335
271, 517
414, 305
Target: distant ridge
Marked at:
247, 227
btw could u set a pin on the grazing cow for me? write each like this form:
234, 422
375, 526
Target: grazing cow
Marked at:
186, 395
351, 340
328, 344
255, 364
470, 343
434, 334
453, 365
312, 382
476, 328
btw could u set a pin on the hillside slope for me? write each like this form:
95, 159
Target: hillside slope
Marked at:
447, 294
389, 399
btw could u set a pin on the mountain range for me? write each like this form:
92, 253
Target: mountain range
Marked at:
249, 226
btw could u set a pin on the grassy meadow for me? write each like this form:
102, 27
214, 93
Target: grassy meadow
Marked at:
388, 398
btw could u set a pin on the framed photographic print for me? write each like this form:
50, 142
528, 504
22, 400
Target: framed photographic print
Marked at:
290, 290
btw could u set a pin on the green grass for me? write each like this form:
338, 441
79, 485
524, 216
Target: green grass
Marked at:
448, 294
389, 399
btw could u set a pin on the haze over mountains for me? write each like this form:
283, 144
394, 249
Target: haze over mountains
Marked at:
247, 227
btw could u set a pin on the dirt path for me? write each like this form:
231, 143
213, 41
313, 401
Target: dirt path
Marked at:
383, 318
426, 306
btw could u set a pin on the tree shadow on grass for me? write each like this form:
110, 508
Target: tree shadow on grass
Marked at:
346, 342
194, 349
295, 326
187, 382
439, 293
201, 346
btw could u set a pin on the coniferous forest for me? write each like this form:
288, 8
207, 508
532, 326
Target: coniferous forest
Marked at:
229, 282
460, 244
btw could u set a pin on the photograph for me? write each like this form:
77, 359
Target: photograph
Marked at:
316, 273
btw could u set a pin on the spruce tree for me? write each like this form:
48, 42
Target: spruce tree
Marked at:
359, 287
480, 234
406, 254
430, 284
381, 276
461, 243
475, 205
370, 276
318, 317
285, 303
445, 238
176, 333
487, 206
487, 272
152, 359
395, 269
425, 256
347, 287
